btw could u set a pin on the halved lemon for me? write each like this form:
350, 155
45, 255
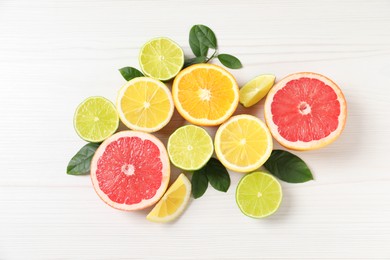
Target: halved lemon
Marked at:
243, 143
161, 58
145, 104
174, 201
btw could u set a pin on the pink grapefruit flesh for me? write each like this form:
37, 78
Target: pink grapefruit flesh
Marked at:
305, 111
130, 170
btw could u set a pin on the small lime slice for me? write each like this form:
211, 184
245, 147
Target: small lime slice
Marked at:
253, 91
190, 147
161, 58
258, 194
96, 119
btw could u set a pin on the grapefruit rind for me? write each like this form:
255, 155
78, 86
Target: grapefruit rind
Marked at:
165, 170
301, 145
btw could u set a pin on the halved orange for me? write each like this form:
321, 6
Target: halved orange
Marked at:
205, 94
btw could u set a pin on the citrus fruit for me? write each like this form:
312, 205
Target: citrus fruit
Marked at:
95, 119
130, 170
174, 201
305, 111
253, 91
243, 143
190, 147
205, 94
258, 194
145, 104
161, 58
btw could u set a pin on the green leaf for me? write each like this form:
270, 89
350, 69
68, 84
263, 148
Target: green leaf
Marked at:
80, 164
288, 167
201, 39
229, 61
217, 175
199, 183
130, 73
195, 60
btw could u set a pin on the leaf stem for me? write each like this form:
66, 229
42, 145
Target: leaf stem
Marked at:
212, 56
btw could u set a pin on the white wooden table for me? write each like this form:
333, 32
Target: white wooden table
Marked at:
53, 54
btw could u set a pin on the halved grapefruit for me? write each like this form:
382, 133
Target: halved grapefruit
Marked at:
130, 170
305, 111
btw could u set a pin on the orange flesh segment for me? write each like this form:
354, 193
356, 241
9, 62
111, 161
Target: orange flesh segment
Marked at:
206, 95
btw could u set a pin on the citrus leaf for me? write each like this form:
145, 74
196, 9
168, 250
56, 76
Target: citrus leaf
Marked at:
201, 39
80, 164
288, 167
199, 183
196, 60
130, 73
217, 175
229, 61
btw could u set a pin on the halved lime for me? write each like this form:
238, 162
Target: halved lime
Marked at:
258, 194
257, 88
190, 147
96, 119
161, 58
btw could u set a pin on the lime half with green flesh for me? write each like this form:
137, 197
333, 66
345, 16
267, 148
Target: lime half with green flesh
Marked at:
96, 119
190, 147
258, 194
161, 58
253, 91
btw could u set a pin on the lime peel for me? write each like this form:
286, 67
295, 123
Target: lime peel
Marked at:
258, 194
96, 119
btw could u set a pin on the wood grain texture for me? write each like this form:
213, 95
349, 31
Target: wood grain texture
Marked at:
53, 54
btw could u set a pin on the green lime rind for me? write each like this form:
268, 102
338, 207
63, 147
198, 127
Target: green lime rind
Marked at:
95, 119
258, 194
190, 147
161, 58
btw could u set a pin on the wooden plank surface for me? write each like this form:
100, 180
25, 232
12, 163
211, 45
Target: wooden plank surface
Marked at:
53, 54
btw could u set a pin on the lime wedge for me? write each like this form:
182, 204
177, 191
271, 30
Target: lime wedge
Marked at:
96, 119
258, 194
253, 91
161, 58
190, 147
